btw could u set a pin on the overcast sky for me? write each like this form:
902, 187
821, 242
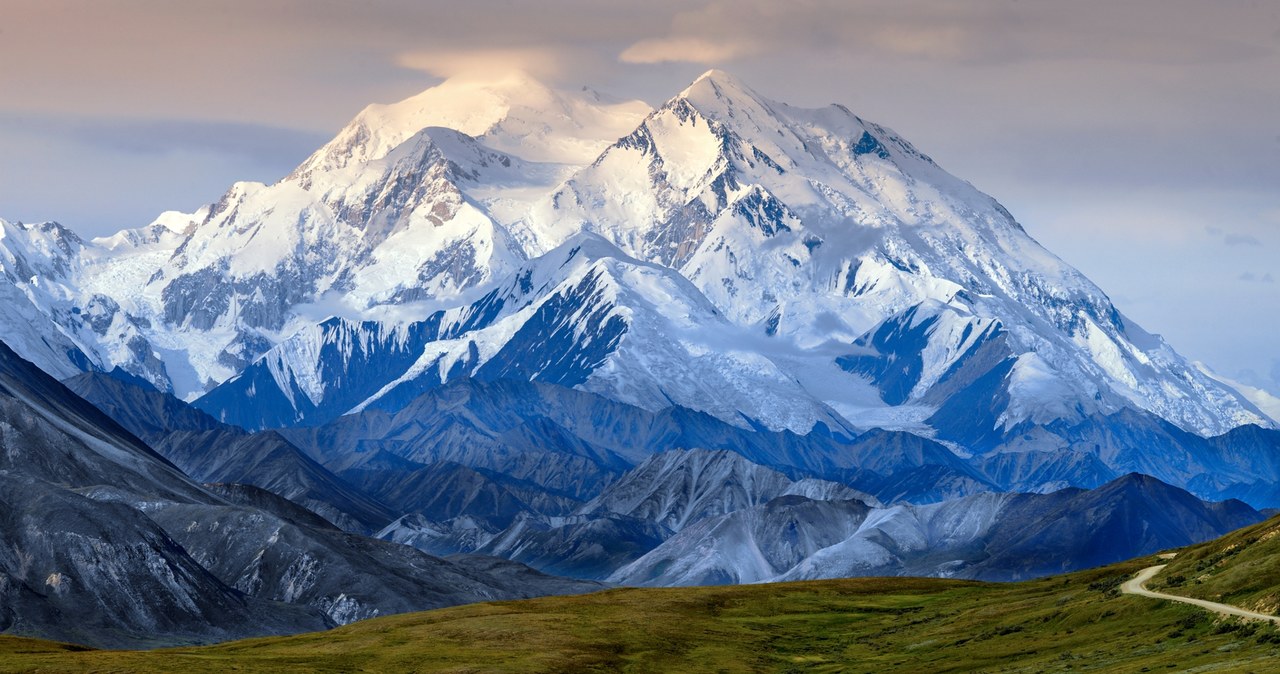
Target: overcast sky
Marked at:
1139, 140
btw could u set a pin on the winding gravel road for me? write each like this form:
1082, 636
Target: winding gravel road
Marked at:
1137, 585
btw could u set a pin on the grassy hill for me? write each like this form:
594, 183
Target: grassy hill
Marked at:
1241, 568
1077, 622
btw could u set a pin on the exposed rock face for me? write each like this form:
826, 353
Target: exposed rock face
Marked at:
986, 536
210, 451
104, 542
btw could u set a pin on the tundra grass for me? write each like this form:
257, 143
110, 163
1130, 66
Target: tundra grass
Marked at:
1241, 568
1076, 622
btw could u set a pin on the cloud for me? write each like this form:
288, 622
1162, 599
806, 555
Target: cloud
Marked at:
1232, 238
1241, 240
721, 32
977, 32
1257, 278
259, 144
546, 62
683, 49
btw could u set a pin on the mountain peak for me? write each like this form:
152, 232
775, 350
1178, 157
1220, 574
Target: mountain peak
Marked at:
716, 76
719, 90
514, 113
467, 104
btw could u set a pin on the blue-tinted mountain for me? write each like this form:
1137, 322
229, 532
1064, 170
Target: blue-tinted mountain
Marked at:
444, 491
105, 542
985, 536
210, 451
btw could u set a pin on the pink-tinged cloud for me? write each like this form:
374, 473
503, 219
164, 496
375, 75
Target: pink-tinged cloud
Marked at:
683, 50
547, 62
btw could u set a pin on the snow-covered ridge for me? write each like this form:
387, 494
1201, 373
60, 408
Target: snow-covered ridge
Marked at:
584, 315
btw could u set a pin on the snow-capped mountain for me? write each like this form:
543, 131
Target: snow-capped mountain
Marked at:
409, 203
398, 209
816, 225
775, 267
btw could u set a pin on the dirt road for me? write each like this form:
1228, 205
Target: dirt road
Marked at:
1137, 585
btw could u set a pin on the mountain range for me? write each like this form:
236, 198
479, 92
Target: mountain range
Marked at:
108, 543
482, 469
734, 255
562, 339
1091, 620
